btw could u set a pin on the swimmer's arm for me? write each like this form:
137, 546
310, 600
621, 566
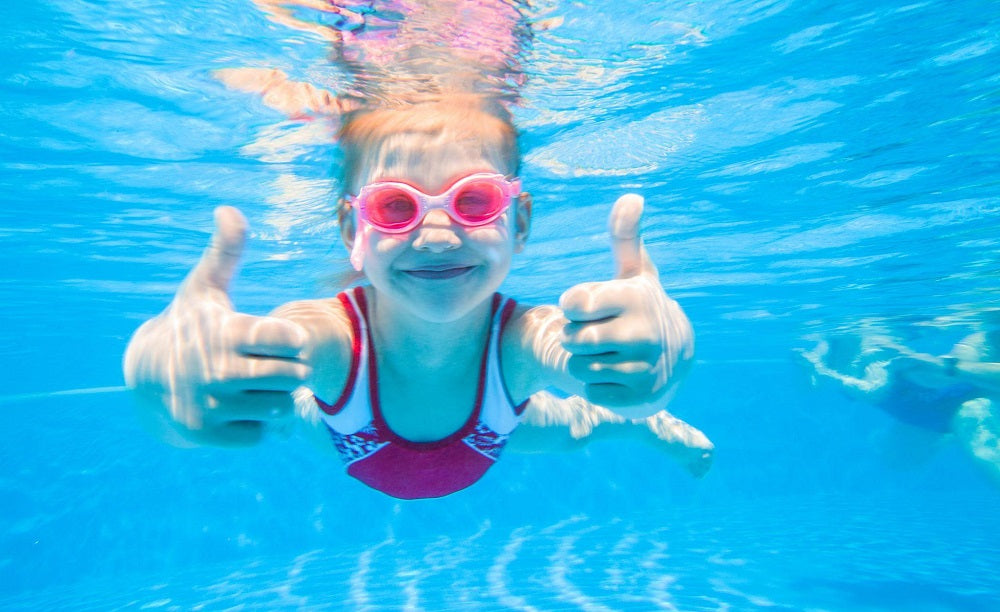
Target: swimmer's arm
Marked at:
329, 348
970, 361
623, 343
297, 99
204, 373
535, 359
533, 356
980, 373
283, 12
329, 352
870, 386
325, 356
963, 364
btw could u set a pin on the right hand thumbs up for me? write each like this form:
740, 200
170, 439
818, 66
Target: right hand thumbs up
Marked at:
219, 261
208, 373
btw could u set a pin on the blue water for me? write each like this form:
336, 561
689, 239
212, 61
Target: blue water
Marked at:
808, 166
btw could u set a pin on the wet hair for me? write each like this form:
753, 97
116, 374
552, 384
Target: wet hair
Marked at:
463, 117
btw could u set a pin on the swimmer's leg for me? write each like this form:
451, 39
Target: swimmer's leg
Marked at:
977, 425
553, 423
685, 443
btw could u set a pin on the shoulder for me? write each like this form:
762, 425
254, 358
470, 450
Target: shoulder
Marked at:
527, 320
531, 334
330, 349
324, 319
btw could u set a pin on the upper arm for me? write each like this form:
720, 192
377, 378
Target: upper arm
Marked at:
329, 350
533, 357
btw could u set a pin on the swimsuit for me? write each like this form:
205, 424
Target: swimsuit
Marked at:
383, 460
925, 407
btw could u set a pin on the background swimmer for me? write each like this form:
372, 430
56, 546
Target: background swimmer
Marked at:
946, 395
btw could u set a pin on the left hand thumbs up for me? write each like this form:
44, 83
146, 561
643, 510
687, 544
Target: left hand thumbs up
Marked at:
631, 258
627, 340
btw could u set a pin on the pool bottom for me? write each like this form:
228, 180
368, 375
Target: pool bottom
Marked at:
785, 553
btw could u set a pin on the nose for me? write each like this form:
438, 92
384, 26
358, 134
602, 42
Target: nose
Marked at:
436, 233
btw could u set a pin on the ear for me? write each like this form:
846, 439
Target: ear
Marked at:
345, 218
522, 221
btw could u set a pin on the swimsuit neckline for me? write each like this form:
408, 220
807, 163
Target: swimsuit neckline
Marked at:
378, 419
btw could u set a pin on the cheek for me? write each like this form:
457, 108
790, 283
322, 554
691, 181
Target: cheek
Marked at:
490, 235
494, 242
495, 234
381, 246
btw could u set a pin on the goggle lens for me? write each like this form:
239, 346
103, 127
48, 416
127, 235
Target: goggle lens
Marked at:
478, 201
392, 208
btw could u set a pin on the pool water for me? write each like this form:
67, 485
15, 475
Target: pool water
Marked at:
808, 167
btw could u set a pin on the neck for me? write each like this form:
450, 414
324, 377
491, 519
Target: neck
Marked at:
404, 340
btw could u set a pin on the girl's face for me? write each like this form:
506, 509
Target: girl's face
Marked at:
441, 270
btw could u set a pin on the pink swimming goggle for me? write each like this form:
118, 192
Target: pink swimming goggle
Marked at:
395, 207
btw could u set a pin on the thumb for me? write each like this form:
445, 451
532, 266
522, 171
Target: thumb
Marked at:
630, 255
218, 262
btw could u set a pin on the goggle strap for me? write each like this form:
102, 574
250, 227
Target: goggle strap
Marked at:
360, 246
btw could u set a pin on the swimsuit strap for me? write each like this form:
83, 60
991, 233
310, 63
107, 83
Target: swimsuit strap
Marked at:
500, 413
352, 411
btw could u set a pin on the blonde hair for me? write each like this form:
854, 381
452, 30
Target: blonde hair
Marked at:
459, 117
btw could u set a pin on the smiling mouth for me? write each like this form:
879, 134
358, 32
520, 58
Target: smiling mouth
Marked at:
440, 273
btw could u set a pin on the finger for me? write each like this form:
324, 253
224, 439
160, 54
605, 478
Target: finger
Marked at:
611, 368
585, 343
609, 395
219, 261
607, 336
590, 302
266, 336
631, 258
250, 406
260, 374
234, 433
